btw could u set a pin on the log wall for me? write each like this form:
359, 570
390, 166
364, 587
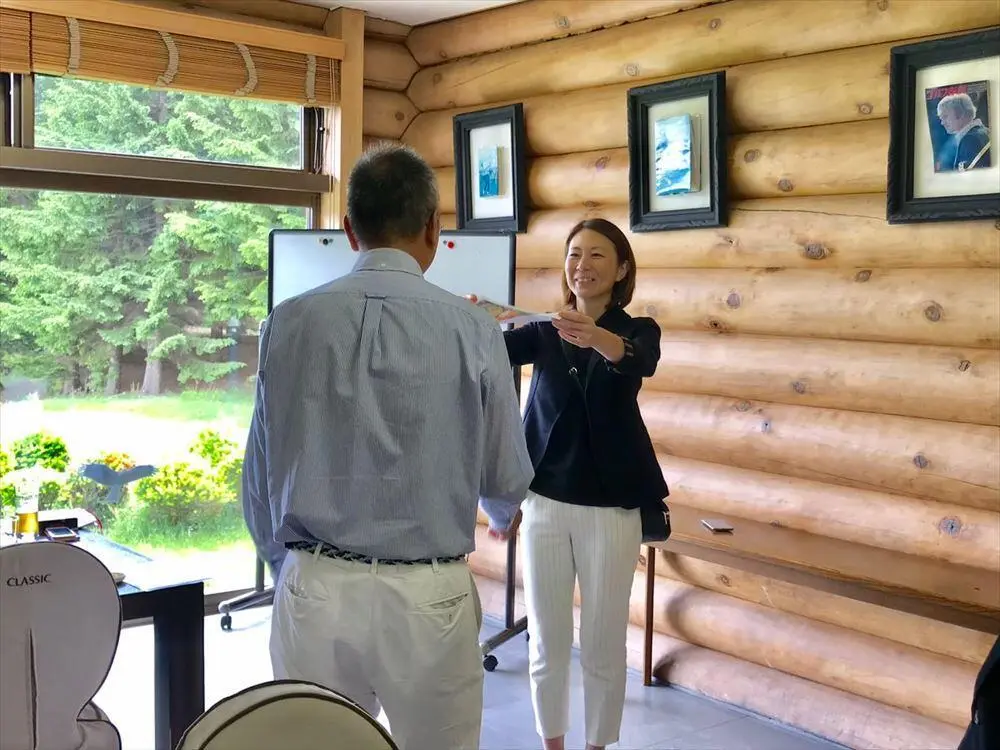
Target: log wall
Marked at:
389, 68
828, 383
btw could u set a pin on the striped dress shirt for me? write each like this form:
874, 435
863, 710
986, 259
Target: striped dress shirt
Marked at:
385, 410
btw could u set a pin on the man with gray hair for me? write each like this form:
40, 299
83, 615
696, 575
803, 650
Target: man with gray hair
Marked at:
385, 409
971, 145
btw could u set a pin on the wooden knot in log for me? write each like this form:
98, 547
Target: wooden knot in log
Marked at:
724, 580
601, 163
642, 561
715, 324
733, 300
996, 224
765, 426
815, 251
632, 70
964, 365
715, 23
933, 312
882, 5
799, 387
744, 406
950, 526
865, 108
751, 155
436, 78
562, 22
651, 311
399, 116
920, 461
785, 185
862, 276
591, 204
731, 241
776, 524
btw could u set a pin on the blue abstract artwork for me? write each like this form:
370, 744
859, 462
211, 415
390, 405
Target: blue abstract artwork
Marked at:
488, 159
675, 160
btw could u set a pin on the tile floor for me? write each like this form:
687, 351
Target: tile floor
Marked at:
657, 717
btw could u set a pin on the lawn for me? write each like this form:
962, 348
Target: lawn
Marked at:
158, 430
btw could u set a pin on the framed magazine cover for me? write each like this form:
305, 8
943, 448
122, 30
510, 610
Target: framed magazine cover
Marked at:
944, 114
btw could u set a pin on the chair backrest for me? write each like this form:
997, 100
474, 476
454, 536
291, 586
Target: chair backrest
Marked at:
287, 714
60, 620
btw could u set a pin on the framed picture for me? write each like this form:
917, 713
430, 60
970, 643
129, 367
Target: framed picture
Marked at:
944, 111
491, 184
677, 154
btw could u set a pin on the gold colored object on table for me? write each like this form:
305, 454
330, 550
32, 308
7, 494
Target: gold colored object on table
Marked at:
26, 523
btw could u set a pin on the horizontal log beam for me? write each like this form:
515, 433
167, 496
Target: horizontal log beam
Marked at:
733, 33
389, 31
950, 307
951, 593
946, 462
527, 23
843, 231
388, 65
828, 87
918, 632
818, 161
930, 382
930, 685
386, 113
922, 528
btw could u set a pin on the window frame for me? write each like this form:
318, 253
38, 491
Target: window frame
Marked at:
24, 166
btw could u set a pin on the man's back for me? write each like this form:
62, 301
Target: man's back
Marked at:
374, 392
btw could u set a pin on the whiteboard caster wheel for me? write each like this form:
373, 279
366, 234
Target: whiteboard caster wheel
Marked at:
226, 623
490, 663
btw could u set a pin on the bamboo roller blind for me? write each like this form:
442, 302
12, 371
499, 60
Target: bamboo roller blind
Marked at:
54, 45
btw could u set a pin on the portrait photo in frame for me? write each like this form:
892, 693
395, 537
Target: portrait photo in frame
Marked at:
677, 154
944, 114
490, 172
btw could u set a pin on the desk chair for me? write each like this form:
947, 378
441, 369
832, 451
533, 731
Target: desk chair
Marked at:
287, 714
60, 620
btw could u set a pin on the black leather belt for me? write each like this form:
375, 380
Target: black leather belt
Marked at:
328, 550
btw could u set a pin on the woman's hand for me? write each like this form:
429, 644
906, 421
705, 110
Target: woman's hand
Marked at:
503, 536
577, 328
581, 330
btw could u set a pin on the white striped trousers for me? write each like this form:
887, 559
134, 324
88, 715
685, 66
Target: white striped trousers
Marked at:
563, 543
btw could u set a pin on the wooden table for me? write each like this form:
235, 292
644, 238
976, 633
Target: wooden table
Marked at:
717, 549
153, 590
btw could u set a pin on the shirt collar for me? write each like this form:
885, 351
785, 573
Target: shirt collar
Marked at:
969, 126
387, 259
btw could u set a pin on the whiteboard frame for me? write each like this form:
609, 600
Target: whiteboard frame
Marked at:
445, 234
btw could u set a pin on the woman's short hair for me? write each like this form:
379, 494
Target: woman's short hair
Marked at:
622, 291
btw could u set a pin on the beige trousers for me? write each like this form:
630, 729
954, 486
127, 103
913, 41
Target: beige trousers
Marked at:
401, 637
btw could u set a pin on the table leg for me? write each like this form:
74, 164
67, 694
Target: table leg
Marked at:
179, 663
647, 641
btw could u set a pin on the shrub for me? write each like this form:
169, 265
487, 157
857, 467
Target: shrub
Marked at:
8, 497
41, 448
214, 448
81, 492
6, 463
230, 474
180, 495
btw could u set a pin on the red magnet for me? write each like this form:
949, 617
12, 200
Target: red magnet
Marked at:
450, 244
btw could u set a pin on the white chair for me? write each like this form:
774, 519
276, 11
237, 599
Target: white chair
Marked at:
287, 714
60, 620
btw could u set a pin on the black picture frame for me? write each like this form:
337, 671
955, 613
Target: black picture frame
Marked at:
463, 125
904, 63
639, 100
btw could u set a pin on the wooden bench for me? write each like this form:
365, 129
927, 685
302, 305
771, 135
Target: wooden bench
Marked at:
908, 584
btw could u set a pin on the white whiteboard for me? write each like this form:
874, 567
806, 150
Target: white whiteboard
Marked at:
480, 263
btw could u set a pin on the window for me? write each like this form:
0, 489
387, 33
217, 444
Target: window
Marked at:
129, 332
117, 118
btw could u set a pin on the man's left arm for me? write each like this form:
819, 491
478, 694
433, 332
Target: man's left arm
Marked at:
254, 484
